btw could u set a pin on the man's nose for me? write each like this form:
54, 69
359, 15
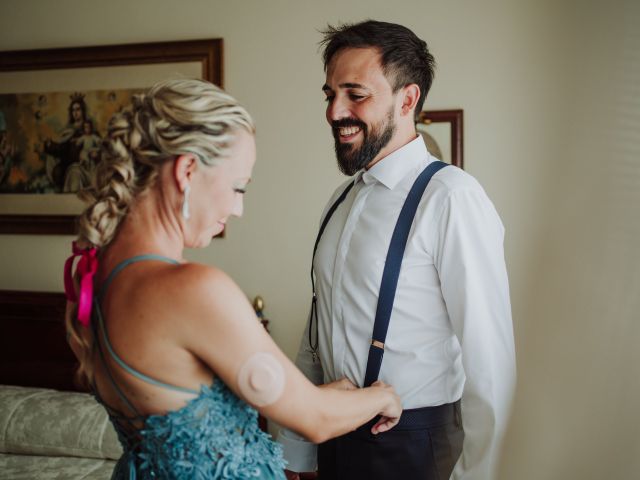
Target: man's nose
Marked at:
337, 110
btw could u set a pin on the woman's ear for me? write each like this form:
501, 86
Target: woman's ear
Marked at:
183, 169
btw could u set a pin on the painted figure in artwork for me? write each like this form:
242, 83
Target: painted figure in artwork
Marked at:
79, 173
65, 151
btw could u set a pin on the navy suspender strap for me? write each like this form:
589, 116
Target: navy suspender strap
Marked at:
391, 271
329, 214
313, 314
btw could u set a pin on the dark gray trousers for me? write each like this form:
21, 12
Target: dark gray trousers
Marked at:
425, 445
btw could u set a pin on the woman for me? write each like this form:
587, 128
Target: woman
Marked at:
171, 348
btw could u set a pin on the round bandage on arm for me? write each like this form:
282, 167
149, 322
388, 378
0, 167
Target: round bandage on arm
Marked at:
261, 379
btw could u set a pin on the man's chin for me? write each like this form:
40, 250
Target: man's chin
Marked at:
347, 165
348, 169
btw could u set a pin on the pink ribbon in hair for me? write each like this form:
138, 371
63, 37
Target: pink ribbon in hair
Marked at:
86, 269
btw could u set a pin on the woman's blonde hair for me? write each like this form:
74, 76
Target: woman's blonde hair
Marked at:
174, 117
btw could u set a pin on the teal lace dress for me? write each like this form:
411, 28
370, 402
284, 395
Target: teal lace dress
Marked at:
214, 436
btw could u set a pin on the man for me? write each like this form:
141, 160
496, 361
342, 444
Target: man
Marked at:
449, 338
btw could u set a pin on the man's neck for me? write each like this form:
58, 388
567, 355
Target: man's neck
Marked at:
396, 143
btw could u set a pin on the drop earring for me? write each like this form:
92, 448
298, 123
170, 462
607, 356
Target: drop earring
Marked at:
185, 203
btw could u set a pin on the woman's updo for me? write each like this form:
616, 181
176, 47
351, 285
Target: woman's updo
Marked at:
174, 117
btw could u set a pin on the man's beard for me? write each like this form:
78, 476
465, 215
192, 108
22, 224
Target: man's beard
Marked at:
350, 158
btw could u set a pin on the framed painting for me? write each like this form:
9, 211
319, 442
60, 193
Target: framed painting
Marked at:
442, 133
54, 108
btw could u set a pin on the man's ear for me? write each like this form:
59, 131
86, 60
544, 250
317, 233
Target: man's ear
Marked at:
410, 95
183, 169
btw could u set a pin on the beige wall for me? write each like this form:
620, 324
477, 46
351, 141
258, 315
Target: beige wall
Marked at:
516, 68
576, 410
492, 62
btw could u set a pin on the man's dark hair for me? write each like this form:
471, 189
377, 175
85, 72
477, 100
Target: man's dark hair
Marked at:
405, 58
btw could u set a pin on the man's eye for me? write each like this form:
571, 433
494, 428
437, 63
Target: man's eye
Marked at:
356, 98
328, 99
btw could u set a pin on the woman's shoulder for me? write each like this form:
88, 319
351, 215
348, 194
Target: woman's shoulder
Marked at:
198, 295
174, 284
201, 278
198, 285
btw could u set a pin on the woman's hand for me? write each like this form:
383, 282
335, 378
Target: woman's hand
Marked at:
342, 384
390, 415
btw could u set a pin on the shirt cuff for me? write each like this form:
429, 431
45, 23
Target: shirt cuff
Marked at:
301, 455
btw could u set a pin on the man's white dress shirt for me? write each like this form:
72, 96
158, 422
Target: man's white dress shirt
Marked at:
450, 334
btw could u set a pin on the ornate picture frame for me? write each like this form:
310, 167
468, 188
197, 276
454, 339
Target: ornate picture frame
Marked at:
125, 66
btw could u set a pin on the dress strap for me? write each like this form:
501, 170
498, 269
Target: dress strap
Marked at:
107, 368
105, 336
125, 263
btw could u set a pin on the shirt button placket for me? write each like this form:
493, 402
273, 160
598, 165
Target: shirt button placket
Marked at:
338, 318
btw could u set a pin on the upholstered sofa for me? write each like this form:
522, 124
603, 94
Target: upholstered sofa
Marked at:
49, 434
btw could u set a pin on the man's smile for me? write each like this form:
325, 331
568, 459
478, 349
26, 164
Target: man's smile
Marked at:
348, 133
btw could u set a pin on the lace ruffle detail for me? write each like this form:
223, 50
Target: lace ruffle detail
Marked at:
215, 436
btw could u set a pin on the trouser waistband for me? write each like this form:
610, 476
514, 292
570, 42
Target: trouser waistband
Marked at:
425, 417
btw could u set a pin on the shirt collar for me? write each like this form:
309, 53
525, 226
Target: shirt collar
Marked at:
395, 166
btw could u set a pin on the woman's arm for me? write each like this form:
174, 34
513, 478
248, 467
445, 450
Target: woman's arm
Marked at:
221, 329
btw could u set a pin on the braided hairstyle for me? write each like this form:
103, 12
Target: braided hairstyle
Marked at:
174, 117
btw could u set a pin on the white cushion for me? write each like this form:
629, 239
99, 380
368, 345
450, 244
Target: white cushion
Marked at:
39, 421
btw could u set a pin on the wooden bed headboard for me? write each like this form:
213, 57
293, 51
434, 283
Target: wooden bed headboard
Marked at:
33, 342
33, 345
